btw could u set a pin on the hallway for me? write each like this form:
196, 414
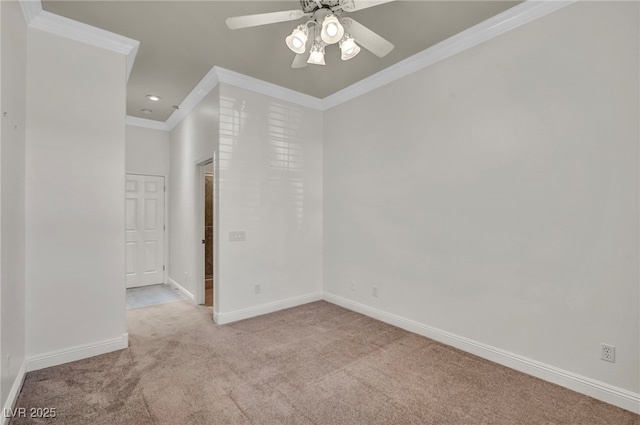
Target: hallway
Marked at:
145, 296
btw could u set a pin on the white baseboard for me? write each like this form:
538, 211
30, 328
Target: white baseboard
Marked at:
13, 394
223, 318
179, 287
599, 390
79, 352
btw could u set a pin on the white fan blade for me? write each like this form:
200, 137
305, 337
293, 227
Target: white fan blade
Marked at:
300, 61
355, 5
264, 18
367, 38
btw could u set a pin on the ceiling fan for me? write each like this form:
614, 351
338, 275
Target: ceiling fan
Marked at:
325, 25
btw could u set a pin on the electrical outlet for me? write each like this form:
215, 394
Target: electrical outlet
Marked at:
257, 289
608, 352
374, 291
353, 285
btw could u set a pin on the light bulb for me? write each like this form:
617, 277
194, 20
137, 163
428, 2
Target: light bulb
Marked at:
332, 29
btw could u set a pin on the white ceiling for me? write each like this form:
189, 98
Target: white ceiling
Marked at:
180, 41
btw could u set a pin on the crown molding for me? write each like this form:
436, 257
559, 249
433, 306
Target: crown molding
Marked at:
217, 75
145, 123
504, 22
258, 86
30, 9
521, 14
198, 93
40, 19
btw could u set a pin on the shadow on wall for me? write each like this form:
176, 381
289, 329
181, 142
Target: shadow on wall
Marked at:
286, 159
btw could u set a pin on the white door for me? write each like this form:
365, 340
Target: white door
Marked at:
145, 230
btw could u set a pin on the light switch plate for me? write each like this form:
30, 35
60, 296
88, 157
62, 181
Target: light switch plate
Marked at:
238, 236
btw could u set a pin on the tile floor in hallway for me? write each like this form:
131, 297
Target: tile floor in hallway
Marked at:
151, 295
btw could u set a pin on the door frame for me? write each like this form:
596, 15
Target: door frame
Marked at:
199, 295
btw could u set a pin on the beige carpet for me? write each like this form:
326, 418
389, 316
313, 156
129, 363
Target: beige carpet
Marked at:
314, 364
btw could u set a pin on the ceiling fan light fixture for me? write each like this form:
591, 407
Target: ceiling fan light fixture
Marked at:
348, 47
297, 41
316, 56
325, 25
332, 30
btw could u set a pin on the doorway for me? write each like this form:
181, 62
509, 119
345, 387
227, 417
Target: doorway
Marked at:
145, 227
208, 234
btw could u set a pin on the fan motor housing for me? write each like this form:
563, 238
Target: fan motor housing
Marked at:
310, 6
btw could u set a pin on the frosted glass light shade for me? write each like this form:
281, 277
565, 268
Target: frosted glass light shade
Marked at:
348, 47
332, 30
316, 57
297, 41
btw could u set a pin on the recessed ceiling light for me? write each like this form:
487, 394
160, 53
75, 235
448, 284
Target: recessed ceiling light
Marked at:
146, 111
153, 97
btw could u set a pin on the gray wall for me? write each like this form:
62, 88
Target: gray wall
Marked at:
192, 141
494, 195
12, 154
270, 174
147, 151
75, 172
268, 170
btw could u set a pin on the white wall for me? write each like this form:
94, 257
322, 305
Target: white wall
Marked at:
494, 195
2, 399
269, 173
12, 154
192, 141
74, 197
270, 176
147, 151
